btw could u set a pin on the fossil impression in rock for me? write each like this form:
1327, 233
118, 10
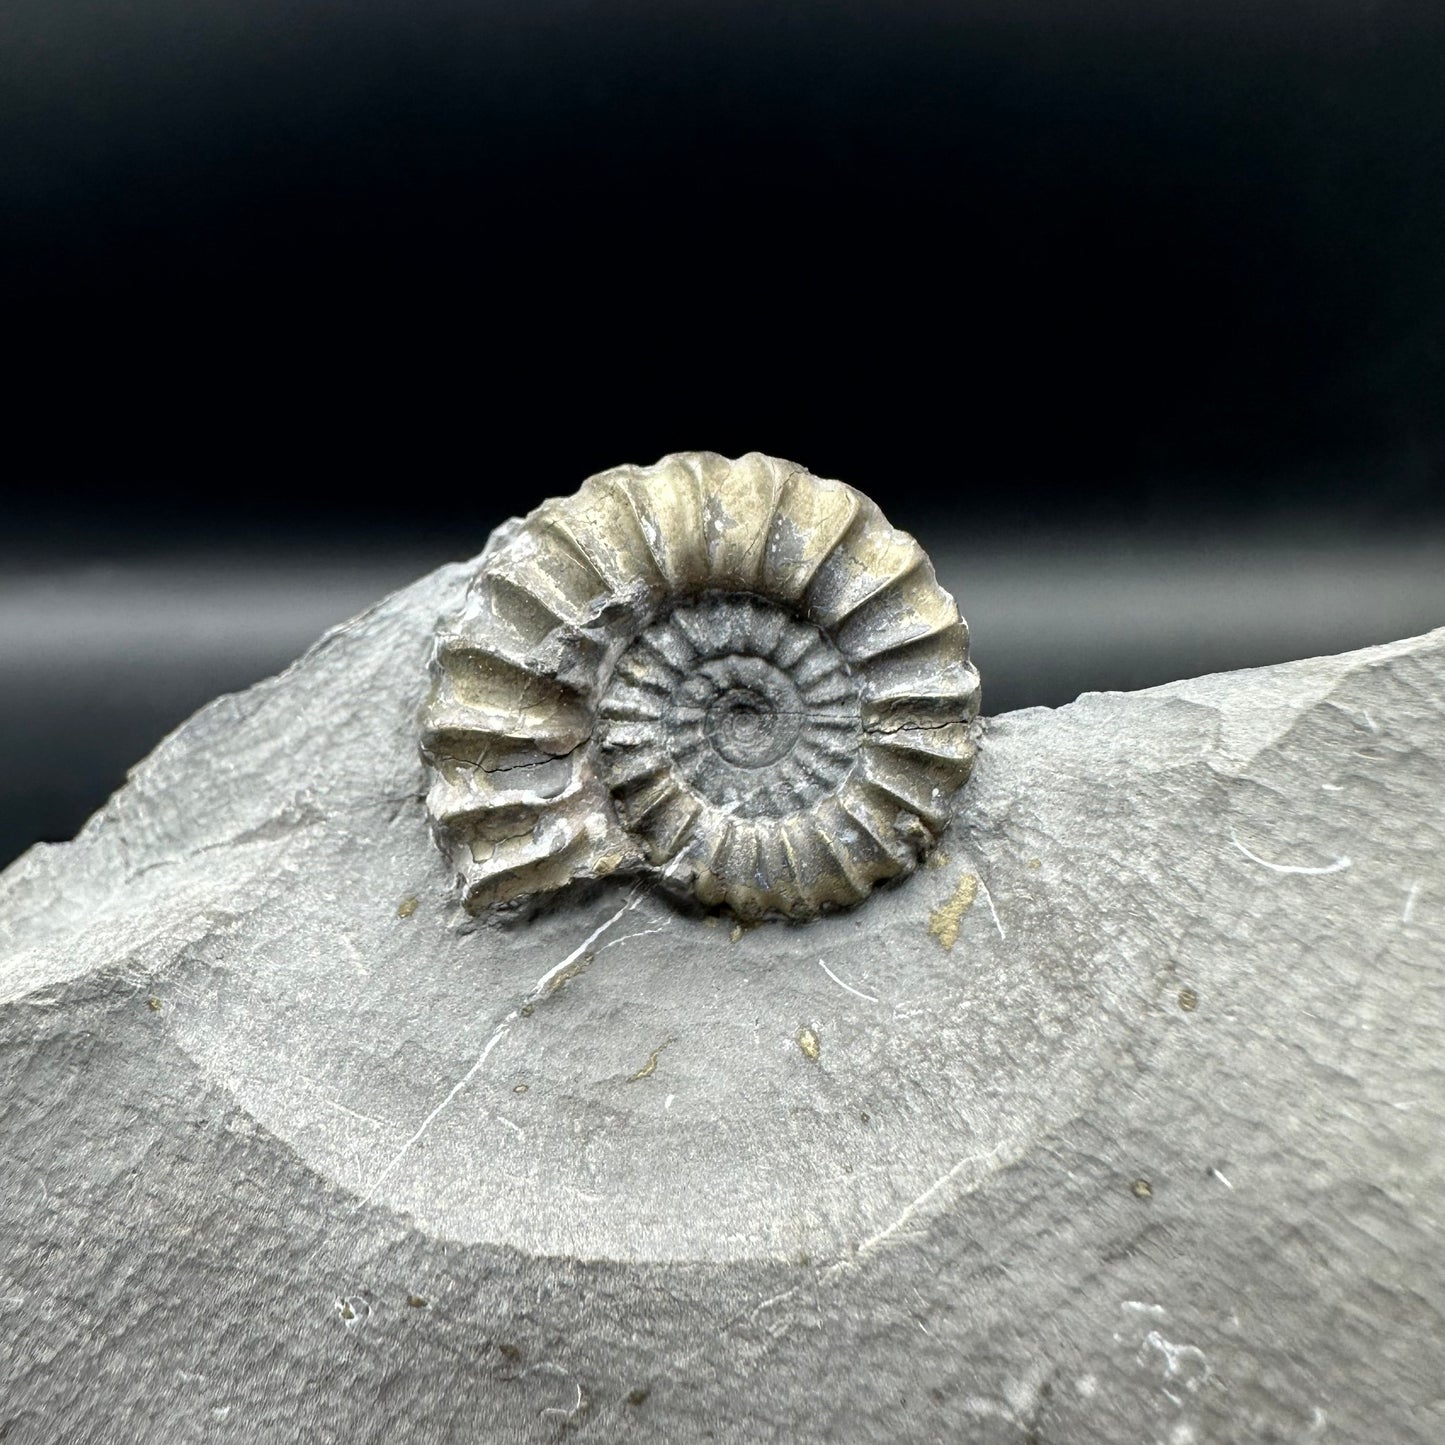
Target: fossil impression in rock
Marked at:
733, 675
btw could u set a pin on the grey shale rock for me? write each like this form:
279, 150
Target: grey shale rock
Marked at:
1120, 1121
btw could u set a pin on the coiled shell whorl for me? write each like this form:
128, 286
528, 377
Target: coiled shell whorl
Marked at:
731, 674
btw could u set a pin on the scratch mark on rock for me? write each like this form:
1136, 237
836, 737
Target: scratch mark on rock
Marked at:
1185, 1363
356, 1114
848, 988
993, 912
1410, 897
551, 1368
772, 1300
1338, 866
537, 991
628, 937
910, 1211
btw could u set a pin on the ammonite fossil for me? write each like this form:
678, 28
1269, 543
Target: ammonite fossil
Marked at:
731, 674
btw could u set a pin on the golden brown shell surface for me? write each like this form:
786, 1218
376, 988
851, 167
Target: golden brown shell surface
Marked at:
731, 674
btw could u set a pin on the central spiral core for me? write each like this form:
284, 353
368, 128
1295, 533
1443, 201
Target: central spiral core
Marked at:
733, 703
748, 709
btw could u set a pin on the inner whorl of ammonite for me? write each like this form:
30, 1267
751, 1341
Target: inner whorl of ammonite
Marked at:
729, 704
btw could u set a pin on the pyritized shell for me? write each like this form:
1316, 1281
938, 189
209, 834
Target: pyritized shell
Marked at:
731, 674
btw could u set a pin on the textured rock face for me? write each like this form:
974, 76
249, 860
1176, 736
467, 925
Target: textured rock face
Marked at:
1120, 1121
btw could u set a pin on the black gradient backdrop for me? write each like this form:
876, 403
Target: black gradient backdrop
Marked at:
362, 278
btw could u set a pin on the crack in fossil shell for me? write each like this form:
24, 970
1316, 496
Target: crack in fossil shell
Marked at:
731, 673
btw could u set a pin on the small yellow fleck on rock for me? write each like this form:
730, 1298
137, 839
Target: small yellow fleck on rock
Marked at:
1142, 1189
650, 1067
1188, 1000
808, 1042
520, 1088
937, 859
1036, 863
153, 1004
417, 1302
736, 934
406, 907
561, 980
945, 920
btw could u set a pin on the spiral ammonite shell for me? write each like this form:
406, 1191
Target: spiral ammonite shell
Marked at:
731, 674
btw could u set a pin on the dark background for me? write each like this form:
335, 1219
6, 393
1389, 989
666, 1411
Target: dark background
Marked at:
1133, 312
